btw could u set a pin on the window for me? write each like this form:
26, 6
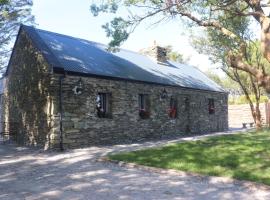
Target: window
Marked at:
173, 108
103, 105
211, 106
144, 106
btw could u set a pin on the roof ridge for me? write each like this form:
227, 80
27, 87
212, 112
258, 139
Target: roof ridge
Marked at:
68, 36
78, 38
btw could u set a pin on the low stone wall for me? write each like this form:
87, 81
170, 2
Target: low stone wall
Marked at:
239, 114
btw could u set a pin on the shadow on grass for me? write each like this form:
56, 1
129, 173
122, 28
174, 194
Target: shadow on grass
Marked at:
242, 156
30, 174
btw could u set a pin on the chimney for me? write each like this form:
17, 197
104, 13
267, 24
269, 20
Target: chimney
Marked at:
158, 53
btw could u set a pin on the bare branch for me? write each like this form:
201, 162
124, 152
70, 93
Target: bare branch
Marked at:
214, 24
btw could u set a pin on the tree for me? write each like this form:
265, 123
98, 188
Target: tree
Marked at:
175, 56
215, 77
236, 94
207, 14
219, 46
12, 14
252, 88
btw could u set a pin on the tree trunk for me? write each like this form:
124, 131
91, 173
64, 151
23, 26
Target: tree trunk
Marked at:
255, 110
257, 93
265, 37
256, 114
238, 62
258, 117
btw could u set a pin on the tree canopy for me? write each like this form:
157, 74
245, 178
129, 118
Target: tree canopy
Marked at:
12, 14
220, 17
220, 46
175, 56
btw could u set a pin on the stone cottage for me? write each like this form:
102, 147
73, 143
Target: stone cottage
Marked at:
67, 92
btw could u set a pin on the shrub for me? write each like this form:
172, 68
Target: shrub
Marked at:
242, 99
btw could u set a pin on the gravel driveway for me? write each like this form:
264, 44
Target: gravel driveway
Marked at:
31, 174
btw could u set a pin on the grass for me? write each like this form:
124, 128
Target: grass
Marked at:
242, 156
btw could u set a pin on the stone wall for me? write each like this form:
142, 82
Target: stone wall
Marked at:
82, 126
28, 110
239, 114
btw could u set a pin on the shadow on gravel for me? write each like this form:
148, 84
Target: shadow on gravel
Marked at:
32, 174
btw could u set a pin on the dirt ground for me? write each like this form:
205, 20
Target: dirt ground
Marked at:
76, 174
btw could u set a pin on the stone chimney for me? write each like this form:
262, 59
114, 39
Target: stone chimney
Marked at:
158, 53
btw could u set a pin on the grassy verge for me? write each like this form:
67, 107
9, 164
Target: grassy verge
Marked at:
243, 156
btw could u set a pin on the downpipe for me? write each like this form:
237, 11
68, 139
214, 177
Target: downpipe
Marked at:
61, 78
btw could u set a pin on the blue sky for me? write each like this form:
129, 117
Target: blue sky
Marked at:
74, 18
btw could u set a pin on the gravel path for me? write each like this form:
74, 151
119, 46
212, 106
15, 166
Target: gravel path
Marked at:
31, 174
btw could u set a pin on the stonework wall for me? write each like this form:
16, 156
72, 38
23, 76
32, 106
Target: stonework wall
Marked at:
239, 114
28, 110
82, 127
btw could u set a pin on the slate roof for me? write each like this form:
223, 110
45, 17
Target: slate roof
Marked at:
91, 58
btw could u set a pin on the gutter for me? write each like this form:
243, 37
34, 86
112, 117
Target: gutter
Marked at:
59, 70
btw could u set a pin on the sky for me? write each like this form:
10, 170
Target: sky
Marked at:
74, 18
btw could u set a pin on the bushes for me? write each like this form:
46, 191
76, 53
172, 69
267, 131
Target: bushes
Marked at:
242, 99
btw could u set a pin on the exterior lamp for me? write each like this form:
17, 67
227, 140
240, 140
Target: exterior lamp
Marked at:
163, 94
78, 87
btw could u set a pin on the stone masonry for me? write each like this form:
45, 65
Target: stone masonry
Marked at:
82, 126
29, 115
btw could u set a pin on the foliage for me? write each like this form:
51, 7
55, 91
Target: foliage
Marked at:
227, 22
241, 156
117, 30
221, 48
12, 14
168, 10
216, 45
215, 77
226, 82
236, 95
175, 56
243, 100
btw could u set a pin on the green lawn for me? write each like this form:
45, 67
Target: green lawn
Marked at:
243, 156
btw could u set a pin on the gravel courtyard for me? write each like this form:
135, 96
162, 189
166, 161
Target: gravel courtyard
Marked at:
31, 174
